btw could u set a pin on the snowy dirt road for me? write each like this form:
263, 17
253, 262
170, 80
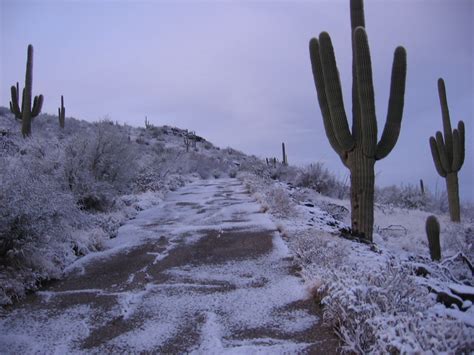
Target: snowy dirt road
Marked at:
204, 272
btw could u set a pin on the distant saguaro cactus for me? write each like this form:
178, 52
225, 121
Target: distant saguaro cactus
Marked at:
422, 187
148, 125
27, 111
285, 158
358, 149
448, 154
62, 113
432, 232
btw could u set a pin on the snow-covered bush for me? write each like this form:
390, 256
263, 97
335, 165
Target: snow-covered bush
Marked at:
233, 173
405, 196
410, 197
38, 217
380, 299
94, 165
318, 178
279, 202
60, 181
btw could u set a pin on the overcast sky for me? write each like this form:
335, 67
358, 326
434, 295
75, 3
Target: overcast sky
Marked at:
238, 72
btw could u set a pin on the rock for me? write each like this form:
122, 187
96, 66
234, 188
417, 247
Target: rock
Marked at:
448, 299
463, 291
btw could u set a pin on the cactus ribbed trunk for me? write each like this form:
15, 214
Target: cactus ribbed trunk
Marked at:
452, 186
27, 93
362, 194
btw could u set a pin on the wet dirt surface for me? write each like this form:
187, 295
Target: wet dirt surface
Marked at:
205, 282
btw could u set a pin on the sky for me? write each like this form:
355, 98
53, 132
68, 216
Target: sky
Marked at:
238, 72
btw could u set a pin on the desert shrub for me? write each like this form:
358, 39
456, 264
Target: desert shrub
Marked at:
317, 177
36, 212
95, 167
410, 197
208, 145
405, 196
279, 201
286, 173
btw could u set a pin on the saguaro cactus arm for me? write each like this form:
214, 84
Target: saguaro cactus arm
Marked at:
458, 147
448, 134
436, 159
316, 65
334, 93
442, 152
366, 92
396, 103
14, 106
37, 106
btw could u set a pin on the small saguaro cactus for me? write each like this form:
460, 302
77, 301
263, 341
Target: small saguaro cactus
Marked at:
359, 149
62, 113
422, 187
147, 123
432, 232
448, 154
27, 111
187, 142
283, 150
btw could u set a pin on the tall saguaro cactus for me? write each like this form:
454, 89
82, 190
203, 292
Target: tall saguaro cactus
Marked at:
27, 111
62, 113
448, 154
283, 152
358, 149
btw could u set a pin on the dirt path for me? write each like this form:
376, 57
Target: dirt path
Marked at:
205, 272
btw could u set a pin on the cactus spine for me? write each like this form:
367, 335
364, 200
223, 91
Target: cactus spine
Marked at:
61, 113
432, 232
27, 111
448, 154
358, 149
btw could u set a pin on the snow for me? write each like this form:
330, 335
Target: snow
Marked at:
381, 298
461, 289
371, 293
219, 300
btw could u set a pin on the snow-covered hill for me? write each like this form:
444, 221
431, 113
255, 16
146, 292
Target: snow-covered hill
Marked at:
64, 193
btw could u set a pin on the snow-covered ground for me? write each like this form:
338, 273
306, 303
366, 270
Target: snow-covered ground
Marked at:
204, 272
386, 297
65, 193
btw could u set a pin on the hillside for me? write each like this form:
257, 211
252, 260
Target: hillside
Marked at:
65, 193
